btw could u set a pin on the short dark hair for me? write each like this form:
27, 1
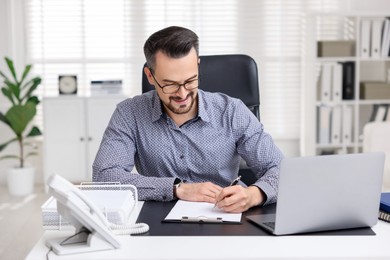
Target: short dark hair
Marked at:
173, 41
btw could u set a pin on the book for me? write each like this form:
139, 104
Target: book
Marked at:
324, 125
348, 84
376, 32
385, 202
381, 113
326, 81
347, 125
378, 112
384, 207
337, 82
336, 126
384, 216
385, 38
365, 38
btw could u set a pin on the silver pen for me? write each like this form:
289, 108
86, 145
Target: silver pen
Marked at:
234, 182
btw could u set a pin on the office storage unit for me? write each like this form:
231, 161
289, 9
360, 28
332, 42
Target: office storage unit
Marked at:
73, 130
336, 107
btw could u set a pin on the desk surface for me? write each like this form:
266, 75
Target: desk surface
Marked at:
235, 247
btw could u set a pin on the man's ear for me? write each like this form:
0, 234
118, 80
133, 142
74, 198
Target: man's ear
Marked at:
148, 74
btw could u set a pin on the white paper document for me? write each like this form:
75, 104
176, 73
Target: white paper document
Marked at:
188, 211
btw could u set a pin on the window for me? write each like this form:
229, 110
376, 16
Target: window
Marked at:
100, 39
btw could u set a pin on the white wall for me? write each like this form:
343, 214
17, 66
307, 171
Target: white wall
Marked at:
4, 51
11, 44
367, 6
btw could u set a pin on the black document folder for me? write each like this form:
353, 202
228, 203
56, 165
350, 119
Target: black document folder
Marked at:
154, 212
348, 80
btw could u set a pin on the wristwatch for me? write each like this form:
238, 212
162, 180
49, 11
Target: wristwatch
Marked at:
176, 185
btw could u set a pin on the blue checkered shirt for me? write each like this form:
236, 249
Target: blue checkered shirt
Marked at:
206, 148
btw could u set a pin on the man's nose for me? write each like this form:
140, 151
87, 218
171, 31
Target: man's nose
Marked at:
182, 92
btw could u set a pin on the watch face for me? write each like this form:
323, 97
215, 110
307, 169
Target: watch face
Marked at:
67, 84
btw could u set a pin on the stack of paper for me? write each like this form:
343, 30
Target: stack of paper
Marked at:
188, 211
116, 205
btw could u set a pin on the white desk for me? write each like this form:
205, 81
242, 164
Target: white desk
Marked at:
236, 247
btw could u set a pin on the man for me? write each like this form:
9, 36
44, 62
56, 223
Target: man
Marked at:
186, 143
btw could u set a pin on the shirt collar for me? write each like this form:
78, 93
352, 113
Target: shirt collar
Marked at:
202, 106
156, 107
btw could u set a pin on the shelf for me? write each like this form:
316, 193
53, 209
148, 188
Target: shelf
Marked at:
325, 116
336, 59
373, 101
330, 103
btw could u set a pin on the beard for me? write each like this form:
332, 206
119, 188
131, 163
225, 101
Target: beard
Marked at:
182, 109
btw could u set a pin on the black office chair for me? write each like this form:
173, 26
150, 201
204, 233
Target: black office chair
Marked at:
234, 75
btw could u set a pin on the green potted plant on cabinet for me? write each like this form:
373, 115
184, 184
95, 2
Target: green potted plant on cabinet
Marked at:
22, 110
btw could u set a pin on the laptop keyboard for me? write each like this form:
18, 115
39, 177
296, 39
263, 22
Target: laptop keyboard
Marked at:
270, 224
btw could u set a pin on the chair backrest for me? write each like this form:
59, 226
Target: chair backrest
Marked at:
235, 75
376, 138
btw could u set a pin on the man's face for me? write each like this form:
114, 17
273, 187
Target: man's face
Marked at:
170, 71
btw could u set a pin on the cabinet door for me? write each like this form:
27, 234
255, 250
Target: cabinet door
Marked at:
99, 111
64, 138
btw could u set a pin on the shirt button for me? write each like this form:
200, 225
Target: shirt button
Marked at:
181, 156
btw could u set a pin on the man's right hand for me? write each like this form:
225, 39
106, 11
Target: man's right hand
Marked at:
203, 192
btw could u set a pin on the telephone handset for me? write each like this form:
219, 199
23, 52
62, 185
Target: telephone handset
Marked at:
93, 231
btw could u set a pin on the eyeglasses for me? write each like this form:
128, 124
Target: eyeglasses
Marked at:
174, 88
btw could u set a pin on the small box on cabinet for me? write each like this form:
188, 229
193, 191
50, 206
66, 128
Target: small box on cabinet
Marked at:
374, 90
336, 48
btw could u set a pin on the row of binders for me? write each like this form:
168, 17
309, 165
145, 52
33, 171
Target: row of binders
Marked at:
375, 38
337, 81
334, 125
380, 112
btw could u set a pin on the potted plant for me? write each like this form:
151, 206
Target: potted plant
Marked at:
23, 108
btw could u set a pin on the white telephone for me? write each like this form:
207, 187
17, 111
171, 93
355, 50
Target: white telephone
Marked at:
93, 231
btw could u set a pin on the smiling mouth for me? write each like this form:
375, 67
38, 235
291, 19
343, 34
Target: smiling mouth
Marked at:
180, 101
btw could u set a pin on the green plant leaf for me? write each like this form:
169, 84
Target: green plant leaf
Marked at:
30, 144
9, 157
11, 67
34, 84
25, 73
4, 76
8, 94
4, 119
30, 154
3, 146
15, 88
33, 99
20, 115
34, 132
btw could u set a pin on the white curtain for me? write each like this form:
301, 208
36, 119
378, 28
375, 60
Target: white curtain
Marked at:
103, 39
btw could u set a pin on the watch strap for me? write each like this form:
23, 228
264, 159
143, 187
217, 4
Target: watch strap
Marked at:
176, 185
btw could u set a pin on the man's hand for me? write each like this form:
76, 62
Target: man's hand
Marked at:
204, 192
239, 199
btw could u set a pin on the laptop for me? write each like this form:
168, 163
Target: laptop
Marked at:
327, 192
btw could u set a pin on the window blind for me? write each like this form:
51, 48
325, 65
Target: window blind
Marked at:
100, 39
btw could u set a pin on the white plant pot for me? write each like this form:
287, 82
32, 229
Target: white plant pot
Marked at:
20, 181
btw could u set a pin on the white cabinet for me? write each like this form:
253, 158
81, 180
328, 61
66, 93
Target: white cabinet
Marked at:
73, 130
334, 123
